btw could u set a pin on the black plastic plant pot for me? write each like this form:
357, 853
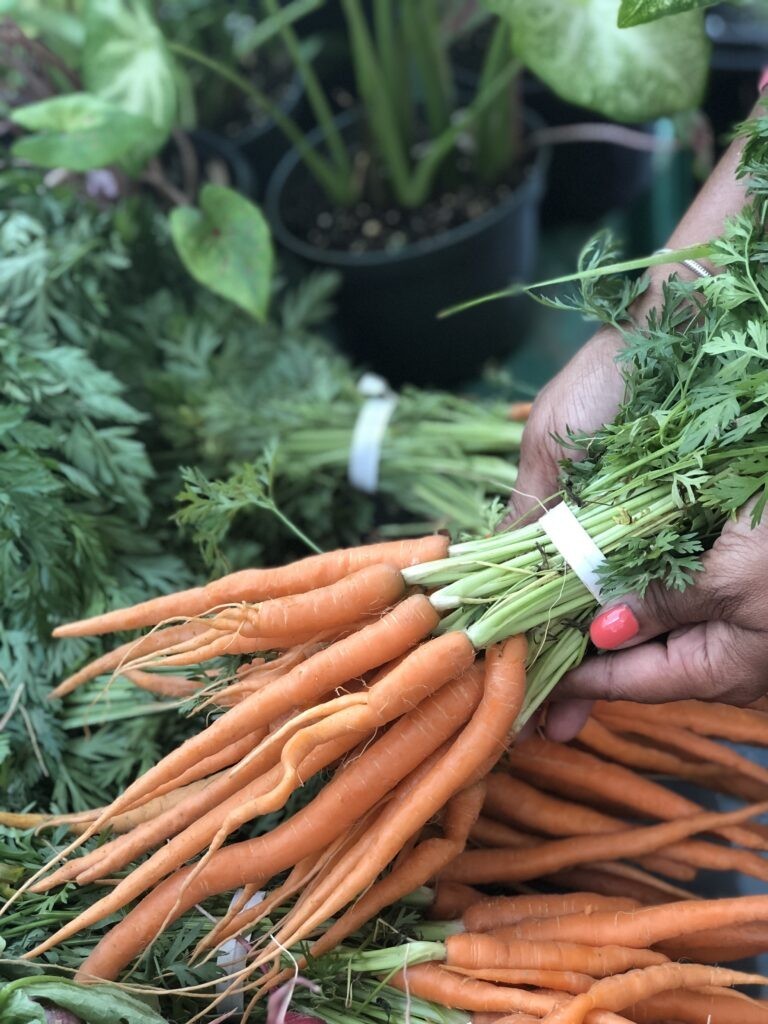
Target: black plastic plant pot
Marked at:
263, 144
587, 180
389, 303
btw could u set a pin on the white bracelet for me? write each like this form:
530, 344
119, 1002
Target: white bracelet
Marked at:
698, 268
368, 433
575, 545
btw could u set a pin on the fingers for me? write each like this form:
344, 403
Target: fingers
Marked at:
707, 661
566, 718
632, 620
583, 396
538, 465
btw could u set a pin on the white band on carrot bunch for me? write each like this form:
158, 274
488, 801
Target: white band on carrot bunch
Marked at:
232, 958
575, 545
368, 433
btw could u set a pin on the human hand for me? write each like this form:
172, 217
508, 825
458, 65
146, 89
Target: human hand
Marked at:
716, 643
583, 396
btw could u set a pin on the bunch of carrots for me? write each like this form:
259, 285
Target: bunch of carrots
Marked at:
343, 672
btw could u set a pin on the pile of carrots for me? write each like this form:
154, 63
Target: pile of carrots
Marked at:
342, 671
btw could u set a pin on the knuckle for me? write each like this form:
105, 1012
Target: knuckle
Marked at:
613, 684
699, 665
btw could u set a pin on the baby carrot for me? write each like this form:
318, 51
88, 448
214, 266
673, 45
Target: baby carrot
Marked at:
498, 911
623, 990
253, 585
351, 793
482, 866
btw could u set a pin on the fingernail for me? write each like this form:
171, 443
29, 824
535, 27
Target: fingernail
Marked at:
614, 627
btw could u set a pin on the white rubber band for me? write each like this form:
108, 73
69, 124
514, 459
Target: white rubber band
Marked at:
575, 545
232, 957
368, 433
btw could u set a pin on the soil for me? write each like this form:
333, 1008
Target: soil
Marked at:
369, 227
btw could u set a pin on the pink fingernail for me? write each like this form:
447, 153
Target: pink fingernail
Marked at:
614, 627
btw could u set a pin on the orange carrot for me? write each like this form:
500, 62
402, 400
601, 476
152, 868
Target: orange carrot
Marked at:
440, 985
451, 899
427, 668
143, 835
741, 725
495, 950
648, 926
163, 685
560, 981
519, 411
364, 591
414, 677
253, 585
353, 790
477, 748
614, 878
499, 911
623, 990
687, 1007
394, 632
513, 800
478, 866
422, 864
689, 743
599, 738
715, 945
487, 832
114, 659
577, 774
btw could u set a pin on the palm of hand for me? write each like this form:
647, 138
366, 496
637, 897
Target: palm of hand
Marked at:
581, 397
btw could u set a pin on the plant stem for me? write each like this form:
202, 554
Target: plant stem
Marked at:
655, 260
380, 114
339, 189
315, 94
422, 180
496, 127
377, 961
393, 66
421, 25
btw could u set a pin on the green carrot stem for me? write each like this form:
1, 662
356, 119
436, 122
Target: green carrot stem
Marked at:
393, 958
656, 259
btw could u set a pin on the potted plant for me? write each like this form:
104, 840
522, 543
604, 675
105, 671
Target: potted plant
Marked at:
241, 35
109, 114
430, 194
423, 194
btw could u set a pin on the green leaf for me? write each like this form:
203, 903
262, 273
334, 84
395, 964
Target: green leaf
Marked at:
226, 246
62, 30
20, 1009
80, 132
626, 74
638, 12
127, 62
94, 1004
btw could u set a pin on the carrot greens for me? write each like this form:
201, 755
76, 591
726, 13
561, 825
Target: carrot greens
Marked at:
688, 448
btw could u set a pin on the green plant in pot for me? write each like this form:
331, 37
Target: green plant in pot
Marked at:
424, 193
112, 105
243, 36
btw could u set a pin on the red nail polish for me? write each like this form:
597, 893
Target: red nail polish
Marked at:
614, 627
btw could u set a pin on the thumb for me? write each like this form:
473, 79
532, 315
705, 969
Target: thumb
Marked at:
631, 620
537, 475
708, 661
